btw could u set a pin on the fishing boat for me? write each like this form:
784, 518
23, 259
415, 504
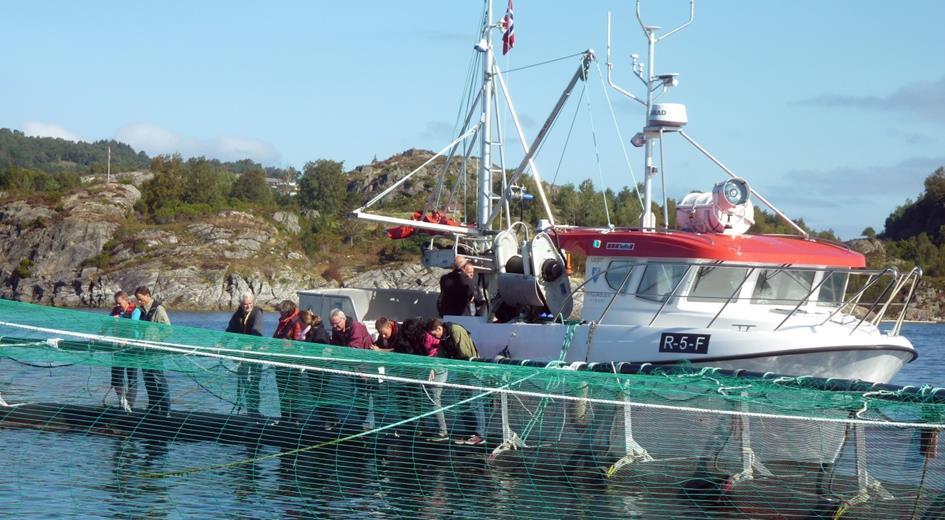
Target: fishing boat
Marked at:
707, 292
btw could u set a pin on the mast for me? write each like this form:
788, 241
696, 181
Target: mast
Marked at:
484, 179
653, 82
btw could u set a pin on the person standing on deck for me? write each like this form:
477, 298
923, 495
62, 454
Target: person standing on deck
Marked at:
248, 319
457, 289
155, 382
348, 332
125, 379
287, 379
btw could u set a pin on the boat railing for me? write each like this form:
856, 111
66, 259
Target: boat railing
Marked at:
884, 289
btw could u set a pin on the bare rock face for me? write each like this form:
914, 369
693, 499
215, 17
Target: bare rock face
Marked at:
288, 220
868, 247
43, 246
80, 250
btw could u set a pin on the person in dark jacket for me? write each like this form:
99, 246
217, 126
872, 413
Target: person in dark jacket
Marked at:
387, 332
313, 330
457, 289
155, 382
248, 319
408, 397
287, 379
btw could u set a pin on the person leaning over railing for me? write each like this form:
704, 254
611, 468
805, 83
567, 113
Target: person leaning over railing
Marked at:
453, 341
313, 331
409, 397
348, 332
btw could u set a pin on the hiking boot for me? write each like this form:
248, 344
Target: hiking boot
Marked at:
474, 440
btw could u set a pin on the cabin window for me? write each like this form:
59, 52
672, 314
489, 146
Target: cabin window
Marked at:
617, 272
659, 280
782, 287
716, 283
833, 289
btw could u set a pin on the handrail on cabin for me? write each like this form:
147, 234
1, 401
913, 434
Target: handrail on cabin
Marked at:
898, 281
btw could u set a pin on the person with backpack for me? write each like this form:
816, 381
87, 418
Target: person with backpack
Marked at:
453, 341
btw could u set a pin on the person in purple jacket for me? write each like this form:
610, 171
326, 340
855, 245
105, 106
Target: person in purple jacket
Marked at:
348, 332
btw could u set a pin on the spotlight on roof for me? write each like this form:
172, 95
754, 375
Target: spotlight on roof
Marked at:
726, 209
482, 46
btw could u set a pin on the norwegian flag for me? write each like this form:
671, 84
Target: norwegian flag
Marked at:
508, 30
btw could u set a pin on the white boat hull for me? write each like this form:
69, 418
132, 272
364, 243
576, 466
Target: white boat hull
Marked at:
871, 357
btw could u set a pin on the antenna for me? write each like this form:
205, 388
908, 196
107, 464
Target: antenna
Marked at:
651, 29
665, 117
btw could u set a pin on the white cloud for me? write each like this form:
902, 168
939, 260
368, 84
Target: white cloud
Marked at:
40, 129
156, 140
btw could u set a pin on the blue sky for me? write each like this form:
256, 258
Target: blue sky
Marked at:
833, 110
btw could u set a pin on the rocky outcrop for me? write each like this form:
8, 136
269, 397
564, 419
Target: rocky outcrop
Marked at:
80, 250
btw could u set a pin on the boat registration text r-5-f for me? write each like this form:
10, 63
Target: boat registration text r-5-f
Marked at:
684, 343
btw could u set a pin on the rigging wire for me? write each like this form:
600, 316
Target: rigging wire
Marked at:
600, 170
546, 62
577, 110
623, 146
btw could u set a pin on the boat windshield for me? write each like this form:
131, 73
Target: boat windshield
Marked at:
659, 280
617, 272
833, 289
714, 283
782, 286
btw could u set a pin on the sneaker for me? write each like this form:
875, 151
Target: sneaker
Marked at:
474, 440
440, 437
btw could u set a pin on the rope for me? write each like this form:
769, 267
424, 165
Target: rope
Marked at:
39, 366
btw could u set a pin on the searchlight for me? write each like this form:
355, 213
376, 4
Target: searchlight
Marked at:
726, 209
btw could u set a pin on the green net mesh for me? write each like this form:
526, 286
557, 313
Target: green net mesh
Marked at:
216, 424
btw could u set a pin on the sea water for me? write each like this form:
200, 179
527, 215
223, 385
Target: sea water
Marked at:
54, 475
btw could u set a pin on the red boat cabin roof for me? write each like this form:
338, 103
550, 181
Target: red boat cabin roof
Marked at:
762, 249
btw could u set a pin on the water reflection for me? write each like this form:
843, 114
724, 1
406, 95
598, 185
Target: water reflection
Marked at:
132, 494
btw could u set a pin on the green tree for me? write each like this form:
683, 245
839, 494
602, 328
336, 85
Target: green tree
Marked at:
323, 188
869, 232
205, 184
252, 187
164, 190
935, 186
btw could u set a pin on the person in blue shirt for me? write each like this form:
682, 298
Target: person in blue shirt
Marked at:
125, 379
